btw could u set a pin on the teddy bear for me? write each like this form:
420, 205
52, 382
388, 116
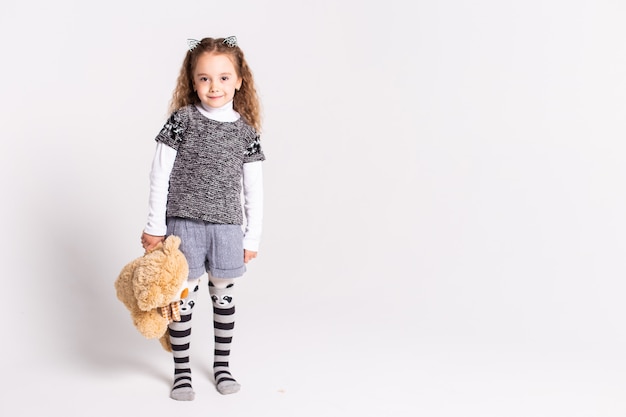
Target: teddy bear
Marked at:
151, 288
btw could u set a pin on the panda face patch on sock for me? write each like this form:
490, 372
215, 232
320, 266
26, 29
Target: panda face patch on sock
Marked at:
223, 300
186, 304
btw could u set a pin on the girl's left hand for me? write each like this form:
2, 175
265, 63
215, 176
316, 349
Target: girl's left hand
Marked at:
248, 255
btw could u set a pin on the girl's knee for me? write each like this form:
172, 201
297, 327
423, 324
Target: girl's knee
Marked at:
220, 283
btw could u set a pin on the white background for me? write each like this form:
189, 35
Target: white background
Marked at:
444, 228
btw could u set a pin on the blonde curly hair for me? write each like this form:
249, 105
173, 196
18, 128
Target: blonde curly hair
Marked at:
246, 101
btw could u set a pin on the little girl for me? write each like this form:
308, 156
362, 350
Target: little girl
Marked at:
207, 151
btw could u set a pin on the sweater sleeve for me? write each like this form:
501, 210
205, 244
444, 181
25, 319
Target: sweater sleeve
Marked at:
162, 165
174, 129
253, 204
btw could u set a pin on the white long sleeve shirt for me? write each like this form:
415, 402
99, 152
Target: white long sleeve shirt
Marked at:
163, 163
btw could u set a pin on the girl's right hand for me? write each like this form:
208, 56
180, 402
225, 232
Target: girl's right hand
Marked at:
149, 242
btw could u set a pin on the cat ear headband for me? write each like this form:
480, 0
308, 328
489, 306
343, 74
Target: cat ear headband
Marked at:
192, 43
230, 41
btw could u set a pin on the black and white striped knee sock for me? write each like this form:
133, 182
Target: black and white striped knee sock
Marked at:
180, 338
223, 327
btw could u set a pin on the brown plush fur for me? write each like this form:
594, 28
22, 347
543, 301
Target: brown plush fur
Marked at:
152, 281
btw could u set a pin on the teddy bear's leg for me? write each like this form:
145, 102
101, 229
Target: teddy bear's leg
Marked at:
180, 339
223, 327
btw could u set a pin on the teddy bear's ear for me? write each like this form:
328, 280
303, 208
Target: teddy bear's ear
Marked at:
172, 242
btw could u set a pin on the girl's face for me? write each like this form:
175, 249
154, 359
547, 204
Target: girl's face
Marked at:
215, 79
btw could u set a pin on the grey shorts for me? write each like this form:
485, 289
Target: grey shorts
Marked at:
209, 247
